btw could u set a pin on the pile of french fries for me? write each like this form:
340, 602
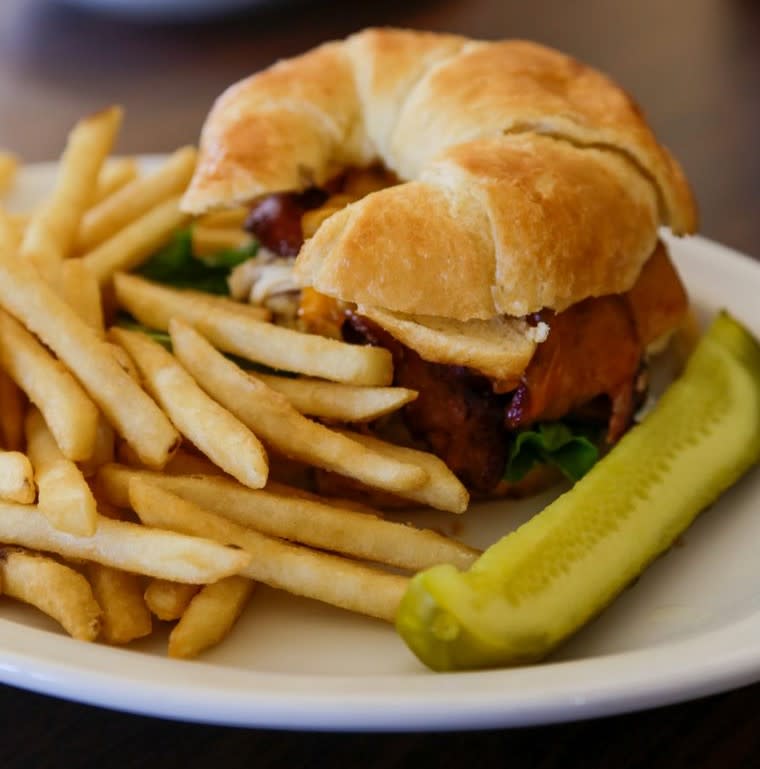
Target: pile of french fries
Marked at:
135, 482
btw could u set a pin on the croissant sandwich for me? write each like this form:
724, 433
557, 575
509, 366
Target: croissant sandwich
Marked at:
487, 211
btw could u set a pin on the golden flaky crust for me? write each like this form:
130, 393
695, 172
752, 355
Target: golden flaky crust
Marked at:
502, 226
531, 180
290, 127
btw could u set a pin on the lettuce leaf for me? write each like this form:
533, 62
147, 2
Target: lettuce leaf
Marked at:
572, 449
176, 265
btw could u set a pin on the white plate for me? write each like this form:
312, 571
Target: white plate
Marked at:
689, 627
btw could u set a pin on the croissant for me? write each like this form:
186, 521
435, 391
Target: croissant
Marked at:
533, 176
530, 184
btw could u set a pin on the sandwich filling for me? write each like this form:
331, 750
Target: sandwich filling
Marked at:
586, 373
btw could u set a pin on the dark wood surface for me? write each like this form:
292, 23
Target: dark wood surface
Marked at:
695, 67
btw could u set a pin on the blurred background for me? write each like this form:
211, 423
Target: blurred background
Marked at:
694, 65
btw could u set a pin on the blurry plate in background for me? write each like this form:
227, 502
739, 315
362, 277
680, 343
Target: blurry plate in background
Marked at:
167, 10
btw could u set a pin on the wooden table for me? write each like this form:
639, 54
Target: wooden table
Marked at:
695, 67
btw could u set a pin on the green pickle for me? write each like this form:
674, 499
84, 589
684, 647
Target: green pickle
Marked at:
536, 586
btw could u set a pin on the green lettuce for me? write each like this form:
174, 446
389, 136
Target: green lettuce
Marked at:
176, 265
572, 449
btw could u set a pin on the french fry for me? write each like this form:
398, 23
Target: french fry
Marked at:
233, 218
210, 427
14, 227
126, 406
67, 408
55, 589
274, 346
270, 416
126, 546
51, 234
115, 173
299, 519
12, 407
130, 247
285, 490
443, 490
64, 496
8, 234
211, 240
206, 304
187, 463
16, 478
298, 570
119, 594
135, 199
81, 291
8, 169
341, 402
168, 600
210, 617
103, 452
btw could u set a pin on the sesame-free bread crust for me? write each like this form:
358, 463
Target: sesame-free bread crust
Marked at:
530, 180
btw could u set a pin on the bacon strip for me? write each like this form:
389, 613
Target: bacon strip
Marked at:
593, 349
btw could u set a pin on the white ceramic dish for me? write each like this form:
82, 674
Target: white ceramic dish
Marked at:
689, 627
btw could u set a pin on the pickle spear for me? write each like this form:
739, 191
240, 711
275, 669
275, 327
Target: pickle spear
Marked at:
536, 586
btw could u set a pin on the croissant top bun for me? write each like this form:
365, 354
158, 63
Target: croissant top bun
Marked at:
530, 180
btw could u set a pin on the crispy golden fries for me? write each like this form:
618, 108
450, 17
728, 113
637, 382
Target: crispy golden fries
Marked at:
298, 570
209, 530
212, 429
8, 170
80, 290
11, 413
208, 241
300, 519
13, 228
274, 346
168, 600
68, 410
115, 173
340, 402
57, 590
82, 293
64, 496
130, 247
187, 463
209, 304
119, 594
269, 415
51, 234
102, 452
210, 617
16, 478
141, 196
443, 490
126, 546
127, 407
